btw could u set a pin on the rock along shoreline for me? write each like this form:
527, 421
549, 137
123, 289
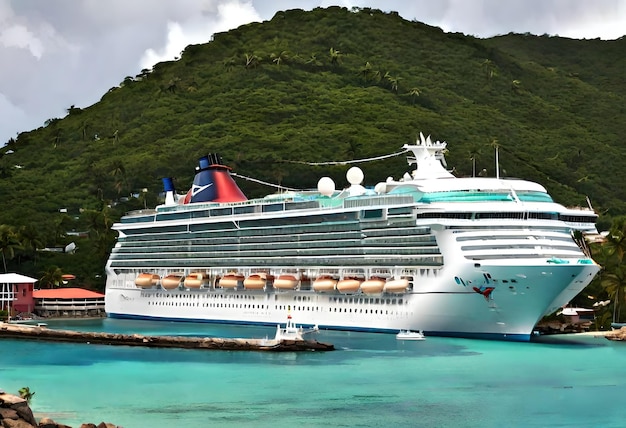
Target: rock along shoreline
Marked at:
16, 413
32, 332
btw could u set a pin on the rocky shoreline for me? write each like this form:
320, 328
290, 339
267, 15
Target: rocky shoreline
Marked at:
616, 335
15, 412
33, 332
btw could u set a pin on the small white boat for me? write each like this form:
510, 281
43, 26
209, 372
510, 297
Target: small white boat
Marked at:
410, 335
291, 331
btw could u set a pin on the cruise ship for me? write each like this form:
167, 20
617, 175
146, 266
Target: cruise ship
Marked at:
474, 257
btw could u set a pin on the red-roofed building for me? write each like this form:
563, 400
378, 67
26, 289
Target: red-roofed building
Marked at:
68, 302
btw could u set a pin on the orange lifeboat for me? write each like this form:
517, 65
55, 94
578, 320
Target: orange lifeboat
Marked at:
194, 280
172, 281
348, 285
256, 281
324, 283
396, 285
147, 280
373, 286
230, 280
286, 282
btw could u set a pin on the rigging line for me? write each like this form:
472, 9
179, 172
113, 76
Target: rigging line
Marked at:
347, 162
265, 182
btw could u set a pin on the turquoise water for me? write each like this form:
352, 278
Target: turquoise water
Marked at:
372, 380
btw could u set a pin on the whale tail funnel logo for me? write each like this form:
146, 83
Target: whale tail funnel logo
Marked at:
213, 182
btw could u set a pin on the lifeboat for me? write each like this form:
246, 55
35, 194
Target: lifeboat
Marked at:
373, 286
147, 280
348, 285
324, 283
396, 286
172, 281
256, 281
286, 282
230, 280
194, 280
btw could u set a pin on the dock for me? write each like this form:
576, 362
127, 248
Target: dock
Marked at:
35, 332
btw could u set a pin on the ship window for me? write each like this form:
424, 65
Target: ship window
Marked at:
400, 211
273, 208
173, 216
244, 210
200, 214
221, 211
371, 213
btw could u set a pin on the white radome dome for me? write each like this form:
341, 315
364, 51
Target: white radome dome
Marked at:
326, 186
354, 175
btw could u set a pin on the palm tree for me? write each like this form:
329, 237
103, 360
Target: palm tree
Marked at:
366, 71
516, 86
26, 394
335, 56
229, 63
119, 172
490, 69
84, 129
615, 244
414, 93
394, 82
610, 254
615, 285
252, 61
9, 242
474, 153
279, 58
312, 60
30, 240
52, 277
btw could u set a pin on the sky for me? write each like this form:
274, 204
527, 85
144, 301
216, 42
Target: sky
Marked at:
59, 53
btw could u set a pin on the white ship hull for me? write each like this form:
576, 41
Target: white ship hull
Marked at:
439, 306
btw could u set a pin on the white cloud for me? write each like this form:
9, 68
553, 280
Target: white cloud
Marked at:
199, 29
19, 36
9, 117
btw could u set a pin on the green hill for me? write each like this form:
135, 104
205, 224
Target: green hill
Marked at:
326, 84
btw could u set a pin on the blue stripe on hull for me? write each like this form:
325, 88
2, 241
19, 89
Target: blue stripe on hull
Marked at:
466, 335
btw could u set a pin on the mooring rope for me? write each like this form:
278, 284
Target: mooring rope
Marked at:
277, 186
349, 161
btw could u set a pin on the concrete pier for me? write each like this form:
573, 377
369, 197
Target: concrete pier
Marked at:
33, 332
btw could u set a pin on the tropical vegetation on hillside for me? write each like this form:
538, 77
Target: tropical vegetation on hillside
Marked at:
327, 84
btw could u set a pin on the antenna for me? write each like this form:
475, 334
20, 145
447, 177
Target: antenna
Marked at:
496, 146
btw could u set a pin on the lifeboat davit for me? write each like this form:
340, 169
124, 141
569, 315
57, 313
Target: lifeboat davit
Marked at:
230, 280
373, 286
172, 281
396, 285
194, 280
256, 281
348, 285
147, 280
324, 283
286, 282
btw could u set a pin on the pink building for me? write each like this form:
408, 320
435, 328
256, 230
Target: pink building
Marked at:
16, 293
